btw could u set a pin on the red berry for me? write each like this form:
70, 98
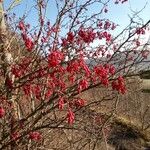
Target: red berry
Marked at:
2, 112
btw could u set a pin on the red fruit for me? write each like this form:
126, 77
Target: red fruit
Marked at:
21, 26
70, 117
55, 58
61, 103
29, 44
83, 84
70, 37
2, 112
35, 136
15, 136
80, 103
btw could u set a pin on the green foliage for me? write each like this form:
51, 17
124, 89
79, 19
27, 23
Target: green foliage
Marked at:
145, 74
146, 90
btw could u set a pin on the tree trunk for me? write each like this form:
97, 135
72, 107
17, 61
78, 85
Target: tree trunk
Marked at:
6, 62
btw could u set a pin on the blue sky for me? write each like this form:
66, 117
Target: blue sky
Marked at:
117, 13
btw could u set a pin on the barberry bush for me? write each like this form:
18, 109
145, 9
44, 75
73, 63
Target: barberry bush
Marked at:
46, 71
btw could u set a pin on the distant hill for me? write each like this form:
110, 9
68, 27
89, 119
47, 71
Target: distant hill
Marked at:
135, 61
